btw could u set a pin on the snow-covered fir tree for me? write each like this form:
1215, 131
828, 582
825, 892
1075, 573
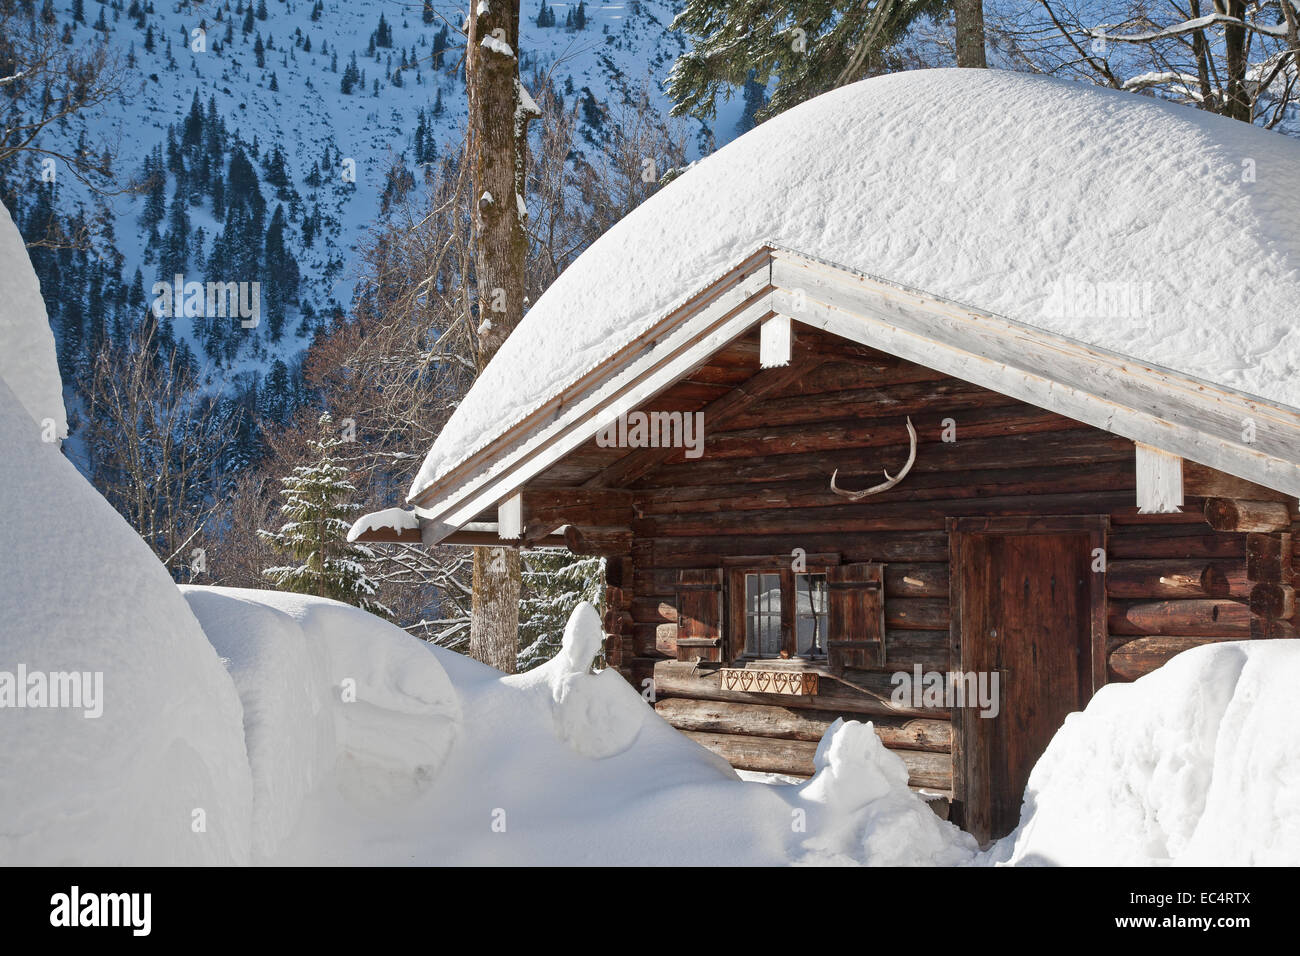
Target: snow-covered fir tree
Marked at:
554, 582
317, 501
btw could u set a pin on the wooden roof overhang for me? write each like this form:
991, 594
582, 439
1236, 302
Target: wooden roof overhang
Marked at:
1231, 432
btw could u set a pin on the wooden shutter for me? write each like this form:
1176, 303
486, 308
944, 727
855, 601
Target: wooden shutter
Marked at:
699, 614
856, 618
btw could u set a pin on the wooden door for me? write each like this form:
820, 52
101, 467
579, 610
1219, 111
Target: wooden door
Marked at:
1028, 605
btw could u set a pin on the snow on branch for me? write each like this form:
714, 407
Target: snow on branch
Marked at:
1187, 26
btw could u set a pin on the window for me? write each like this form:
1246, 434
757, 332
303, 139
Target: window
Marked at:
780, 614
763, 615
810, 614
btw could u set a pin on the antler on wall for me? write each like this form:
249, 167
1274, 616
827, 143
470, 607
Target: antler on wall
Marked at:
888, 482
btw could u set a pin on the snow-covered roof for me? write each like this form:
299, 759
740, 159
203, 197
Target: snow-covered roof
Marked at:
1148, 229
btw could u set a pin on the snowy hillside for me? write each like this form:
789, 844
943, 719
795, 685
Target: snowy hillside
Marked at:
206, 83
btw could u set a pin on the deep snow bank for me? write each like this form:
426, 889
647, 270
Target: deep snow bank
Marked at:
1195, 763
27, 360
332, 696
159, 775
565, 766
80, 592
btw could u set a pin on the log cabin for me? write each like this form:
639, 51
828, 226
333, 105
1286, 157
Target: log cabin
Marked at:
813, 404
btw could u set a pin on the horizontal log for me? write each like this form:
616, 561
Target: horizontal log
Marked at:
838, 375
1102, 476
951, 395
875, 514
1177, 578
856, 692
552, 507
1136, 658
789, 723
1195, 618
766, 754
603, 542
905, 649
1174, 541
916, 580
837, 433
1079, 447
924, 614
1206, 482
711, 551
1233, 514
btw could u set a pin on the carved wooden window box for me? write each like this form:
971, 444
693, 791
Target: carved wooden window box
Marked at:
760, 680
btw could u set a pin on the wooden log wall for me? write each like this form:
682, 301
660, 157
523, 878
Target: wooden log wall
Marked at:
762, 489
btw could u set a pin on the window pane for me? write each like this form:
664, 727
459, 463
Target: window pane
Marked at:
810, 614
763, 614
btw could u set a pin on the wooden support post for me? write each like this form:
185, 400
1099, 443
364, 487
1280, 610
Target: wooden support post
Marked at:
775, 340
1159, 480
510, 517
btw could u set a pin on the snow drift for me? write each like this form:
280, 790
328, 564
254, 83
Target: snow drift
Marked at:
332, 696
565, 766
27, 358
1015, 194
1194, 763
161, 775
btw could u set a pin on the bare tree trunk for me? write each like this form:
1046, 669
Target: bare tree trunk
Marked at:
970, 33
1234, 43
497, 140
494, 611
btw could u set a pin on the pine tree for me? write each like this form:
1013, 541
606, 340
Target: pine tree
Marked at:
554, 581
317, 503
440, 41
78, 11
426, 16
812, 47
755, 99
